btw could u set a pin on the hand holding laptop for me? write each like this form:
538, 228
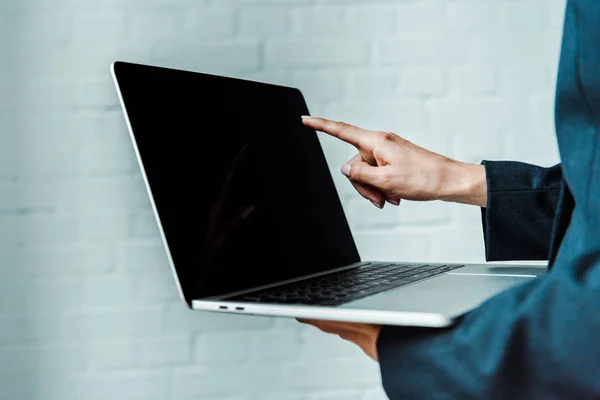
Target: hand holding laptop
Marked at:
363, 335
391, 168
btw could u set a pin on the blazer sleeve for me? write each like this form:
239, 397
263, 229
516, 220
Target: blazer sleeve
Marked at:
521, 205
539, 340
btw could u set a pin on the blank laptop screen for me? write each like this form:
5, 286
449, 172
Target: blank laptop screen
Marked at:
241, 187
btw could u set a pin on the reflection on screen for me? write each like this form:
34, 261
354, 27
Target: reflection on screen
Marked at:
242, 188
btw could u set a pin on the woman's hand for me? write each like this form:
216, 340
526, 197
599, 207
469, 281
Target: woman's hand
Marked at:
390, 168
363, 335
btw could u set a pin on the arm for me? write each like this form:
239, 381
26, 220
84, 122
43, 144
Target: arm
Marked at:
535, 341
520, 210
518, 204
518, 200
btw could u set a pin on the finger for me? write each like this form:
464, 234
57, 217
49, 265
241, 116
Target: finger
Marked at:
353, 135
392, 200
366, 191
373, 195
365, 174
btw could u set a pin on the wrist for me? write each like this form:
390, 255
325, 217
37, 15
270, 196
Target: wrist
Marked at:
463, 183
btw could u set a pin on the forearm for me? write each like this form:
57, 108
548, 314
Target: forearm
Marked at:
463, 183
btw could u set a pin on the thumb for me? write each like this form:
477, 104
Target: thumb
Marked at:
361, 172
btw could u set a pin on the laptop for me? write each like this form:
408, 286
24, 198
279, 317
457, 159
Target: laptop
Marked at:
250, 217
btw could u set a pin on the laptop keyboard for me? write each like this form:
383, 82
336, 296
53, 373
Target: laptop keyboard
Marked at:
347, 285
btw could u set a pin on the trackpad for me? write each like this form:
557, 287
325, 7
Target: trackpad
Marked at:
449, 294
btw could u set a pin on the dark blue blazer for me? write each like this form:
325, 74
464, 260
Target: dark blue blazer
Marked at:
540, 340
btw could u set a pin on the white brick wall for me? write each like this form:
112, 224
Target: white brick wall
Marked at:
88, 308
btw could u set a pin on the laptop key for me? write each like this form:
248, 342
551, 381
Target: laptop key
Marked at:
350, 285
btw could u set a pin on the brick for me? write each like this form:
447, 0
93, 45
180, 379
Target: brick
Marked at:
471, 15
276, 347
397, 116
218, 380
149, 257
337, 395
106, 193
74, 259
367, 20
315, 53
38, 164
155, 288
99, 26
72, 359
108, 292
367, 216
375, 394
426, 50
376, 85
25, 197
198, 55
38, 229
59, 294
474, 81
490, 113
143, 224
422, 213
422, 17
223, 348
516, 49
464, 216
557, 13
113, 355
104, 226
205, 23
264, 21
474, 145
358, 21
317, 21
163, 350
352, 375
422, 82
96, 95
149, 25
320, 86
533, 146
148, 385
54, 28
462, 245
524, 16
108, 161
407, 245
118, 323
526, 81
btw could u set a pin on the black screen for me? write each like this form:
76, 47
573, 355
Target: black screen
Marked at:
242, 188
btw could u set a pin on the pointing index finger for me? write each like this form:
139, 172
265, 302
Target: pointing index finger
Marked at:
348, 133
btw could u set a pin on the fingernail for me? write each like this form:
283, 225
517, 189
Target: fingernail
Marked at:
346, 169
376, 205
306, 117
395, 202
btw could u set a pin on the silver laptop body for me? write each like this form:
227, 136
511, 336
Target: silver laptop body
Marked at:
250, 218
